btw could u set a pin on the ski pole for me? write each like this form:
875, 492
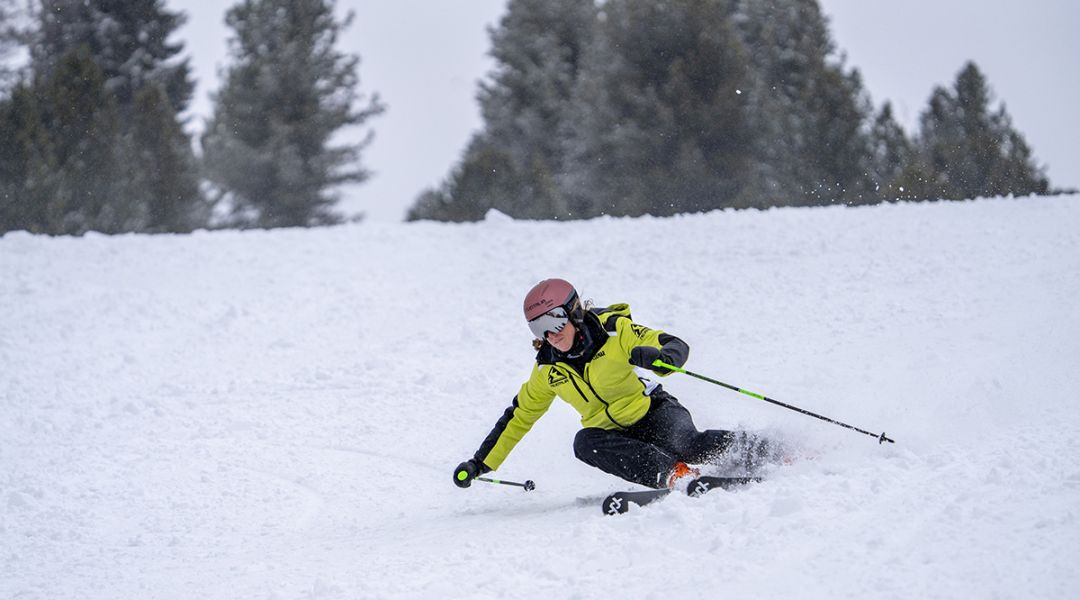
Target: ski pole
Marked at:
528, 485
880, 438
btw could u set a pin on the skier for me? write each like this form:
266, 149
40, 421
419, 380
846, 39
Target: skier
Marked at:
632, 428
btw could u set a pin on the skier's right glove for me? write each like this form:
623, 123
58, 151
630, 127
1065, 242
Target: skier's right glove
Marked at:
644, 356
467, 471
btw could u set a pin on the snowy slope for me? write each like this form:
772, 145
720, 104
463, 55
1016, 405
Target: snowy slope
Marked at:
277, 414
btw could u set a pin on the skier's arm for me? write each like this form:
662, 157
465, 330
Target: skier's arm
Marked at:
527, 407
498, 432
646, 345
532, 401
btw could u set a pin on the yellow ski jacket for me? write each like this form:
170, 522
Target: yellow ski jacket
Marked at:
601, 384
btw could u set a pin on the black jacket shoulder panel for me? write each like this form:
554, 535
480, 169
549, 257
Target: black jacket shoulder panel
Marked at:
610, 315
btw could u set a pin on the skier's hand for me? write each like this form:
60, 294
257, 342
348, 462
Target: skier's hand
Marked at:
643, 356
467, 471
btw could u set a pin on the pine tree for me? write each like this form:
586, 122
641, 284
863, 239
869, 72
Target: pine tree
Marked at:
839, 146
1020, 174
288, 91
163, 166
124, 44
27, 185
968, 150
659, 125
83, 126
513, 165
891, 152
474, 187
129, 40
809, 113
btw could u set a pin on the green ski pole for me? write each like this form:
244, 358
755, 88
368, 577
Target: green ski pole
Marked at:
880, 438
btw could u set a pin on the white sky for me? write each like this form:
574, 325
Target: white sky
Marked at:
424, 58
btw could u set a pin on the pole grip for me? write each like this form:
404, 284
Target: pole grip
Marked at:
664, 365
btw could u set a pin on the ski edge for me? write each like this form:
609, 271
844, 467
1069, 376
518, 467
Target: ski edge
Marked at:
702, 485
618, 503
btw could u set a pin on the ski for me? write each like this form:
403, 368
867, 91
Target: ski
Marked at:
619, 502
702, 485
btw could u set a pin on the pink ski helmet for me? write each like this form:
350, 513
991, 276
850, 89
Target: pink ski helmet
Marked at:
550, 304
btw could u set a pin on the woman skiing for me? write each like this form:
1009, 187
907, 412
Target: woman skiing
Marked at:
631, 427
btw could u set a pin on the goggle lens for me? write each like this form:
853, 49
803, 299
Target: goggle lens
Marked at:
552, 321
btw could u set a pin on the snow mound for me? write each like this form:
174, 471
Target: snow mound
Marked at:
277, 414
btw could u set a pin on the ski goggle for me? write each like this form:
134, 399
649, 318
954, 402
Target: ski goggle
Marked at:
552, 321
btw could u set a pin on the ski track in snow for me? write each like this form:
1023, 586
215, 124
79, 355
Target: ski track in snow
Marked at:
276, 414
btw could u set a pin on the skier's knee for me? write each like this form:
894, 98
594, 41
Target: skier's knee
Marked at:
585, 444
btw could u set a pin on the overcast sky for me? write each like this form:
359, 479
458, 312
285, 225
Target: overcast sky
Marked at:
424, 58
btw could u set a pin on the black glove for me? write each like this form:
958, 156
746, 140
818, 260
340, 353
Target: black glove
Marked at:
643, 356
467, 471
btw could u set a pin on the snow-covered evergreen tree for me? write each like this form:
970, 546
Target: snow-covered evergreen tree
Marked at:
659, 124
891, 151
83, 127
103, 156
674, 107
475, 186
58, 162
128, 39
967, 149
685, 106
163, 168
809, 113
514, 163
287, 92
27, 186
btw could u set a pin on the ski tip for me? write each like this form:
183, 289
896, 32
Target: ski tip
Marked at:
615, 504
702, 485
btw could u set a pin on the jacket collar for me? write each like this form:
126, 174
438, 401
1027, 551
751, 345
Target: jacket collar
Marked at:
594, 337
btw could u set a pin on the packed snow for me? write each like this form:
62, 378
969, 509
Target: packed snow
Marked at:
277, 414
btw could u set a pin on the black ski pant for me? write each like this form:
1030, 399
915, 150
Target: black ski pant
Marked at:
646, 452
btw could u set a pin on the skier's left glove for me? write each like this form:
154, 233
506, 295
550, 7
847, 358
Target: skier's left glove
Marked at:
643, 356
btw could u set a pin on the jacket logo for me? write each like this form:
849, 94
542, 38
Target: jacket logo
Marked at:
556, 377
640, 330
599, 354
